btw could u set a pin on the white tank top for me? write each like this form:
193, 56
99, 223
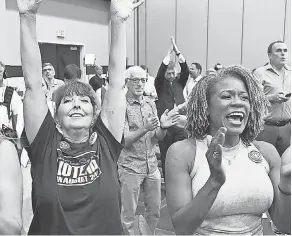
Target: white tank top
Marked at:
245, 195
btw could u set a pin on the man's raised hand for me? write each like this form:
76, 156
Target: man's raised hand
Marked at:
169, 119
174, 46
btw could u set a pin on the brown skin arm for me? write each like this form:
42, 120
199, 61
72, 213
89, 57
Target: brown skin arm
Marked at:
187, 213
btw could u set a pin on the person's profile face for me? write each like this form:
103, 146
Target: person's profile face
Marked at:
229, 106
279, 54
49, 72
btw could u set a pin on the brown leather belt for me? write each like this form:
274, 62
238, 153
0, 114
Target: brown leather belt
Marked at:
277, 123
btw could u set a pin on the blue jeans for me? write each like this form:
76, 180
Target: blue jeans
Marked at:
130, 190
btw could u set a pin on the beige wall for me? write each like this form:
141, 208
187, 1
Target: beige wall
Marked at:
224, 32
131, 39
85, 23
263, 23
192, 38
160, 25
211, 31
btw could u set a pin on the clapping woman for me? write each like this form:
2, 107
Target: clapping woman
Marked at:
220, 181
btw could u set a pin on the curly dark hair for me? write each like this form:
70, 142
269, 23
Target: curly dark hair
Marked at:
197, 115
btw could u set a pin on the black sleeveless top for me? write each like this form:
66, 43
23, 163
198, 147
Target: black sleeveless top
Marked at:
75, 188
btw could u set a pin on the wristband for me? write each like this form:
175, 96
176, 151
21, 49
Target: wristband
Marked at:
162, 128
285, 193
178, 54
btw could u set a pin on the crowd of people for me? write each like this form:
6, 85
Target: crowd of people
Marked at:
223, 137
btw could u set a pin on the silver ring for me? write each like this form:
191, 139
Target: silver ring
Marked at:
215, 154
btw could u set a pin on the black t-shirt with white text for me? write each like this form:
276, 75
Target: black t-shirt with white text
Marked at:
75, 188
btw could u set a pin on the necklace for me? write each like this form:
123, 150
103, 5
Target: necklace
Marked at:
229, 154
229, 161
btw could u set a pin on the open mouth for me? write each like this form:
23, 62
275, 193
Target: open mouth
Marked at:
76, 115
235, 117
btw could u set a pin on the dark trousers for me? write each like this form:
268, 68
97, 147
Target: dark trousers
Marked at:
173, 135
280, 137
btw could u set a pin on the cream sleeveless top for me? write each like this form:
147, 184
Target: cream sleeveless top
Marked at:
245, 195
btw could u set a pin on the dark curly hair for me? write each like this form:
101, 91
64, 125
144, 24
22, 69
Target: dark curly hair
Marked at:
197, 116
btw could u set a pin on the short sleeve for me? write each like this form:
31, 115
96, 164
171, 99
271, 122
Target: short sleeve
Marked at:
113, 145
16, 103
258, 77
42, 143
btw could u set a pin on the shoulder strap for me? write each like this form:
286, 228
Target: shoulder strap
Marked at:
7, 99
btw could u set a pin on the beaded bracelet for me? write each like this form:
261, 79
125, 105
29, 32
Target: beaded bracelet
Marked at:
285, 193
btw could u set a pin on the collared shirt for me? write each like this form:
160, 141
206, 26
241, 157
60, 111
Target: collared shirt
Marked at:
274, 83
139, 157
190, 85
49, 90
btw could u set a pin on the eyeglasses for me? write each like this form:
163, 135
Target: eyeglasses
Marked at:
137, 80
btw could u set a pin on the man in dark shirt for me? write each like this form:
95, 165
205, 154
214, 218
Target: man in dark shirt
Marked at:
97, 80
169, 87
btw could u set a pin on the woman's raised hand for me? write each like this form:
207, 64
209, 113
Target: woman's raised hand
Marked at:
214, 157
28, 6
122, 9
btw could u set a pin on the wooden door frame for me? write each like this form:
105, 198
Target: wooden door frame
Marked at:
82, 53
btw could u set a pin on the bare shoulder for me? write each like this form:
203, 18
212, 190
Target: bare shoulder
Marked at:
181, 154
6, 145
269, 152
9, 156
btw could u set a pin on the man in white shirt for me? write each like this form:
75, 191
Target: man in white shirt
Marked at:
50, 84
275, 78
195, 76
